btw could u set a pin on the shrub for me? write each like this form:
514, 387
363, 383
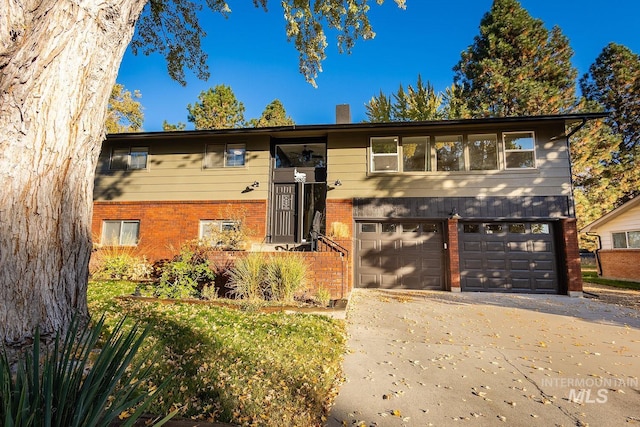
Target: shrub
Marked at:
323, 297
119, 263
73, 385
338, 230
286, 275
247, 277
186, 274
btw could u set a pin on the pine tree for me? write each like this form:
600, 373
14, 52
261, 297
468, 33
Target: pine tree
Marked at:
515, 66
217, 108
424, 103
274, 114
378, 109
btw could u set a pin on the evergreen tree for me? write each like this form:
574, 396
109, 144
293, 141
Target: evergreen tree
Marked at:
400, 107
605, 153
124, 113
454, 105
613, 82
378, 109
217, 108
170, 127
274, 114
414, 104
515, 66
424, 103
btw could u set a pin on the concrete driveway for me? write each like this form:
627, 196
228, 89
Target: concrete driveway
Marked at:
440, 359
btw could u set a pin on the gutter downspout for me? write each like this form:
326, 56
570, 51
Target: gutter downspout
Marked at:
597, 252
572, 207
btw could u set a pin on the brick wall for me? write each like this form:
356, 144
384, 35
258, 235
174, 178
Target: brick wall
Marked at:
453, 256
569, 251
621, 264
164, 226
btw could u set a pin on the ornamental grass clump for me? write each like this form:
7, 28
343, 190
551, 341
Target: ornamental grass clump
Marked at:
247, 277
75, 384
286, 276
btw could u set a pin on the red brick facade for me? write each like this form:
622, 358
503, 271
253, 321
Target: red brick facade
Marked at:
453, 256
165, 226
621, 264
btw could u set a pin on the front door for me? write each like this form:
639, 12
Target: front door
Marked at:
299, 177
285, 213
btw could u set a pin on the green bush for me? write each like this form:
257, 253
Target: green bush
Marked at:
73, 385
186, 274
247, 277
286, 275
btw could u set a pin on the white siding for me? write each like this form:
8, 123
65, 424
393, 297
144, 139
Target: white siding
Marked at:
626, 221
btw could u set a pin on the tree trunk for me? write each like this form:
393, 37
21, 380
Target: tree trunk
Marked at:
58, 62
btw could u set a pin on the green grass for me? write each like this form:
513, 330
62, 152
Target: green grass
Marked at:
590, 275
235, 366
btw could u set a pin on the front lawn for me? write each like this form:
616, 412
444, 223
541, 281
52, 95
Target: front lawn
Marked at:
591, 276
229, 365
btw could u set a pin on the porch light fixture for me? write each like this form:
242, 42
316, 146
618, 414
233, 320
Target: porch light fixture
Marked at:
338, 183
251, 187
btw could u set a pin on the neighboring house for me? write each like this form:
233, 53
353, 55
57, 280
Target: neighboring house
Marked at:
618, 232
471, 205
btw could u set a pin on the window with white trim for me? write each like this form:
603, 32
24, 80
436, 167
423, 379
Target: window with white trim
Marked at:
519, 150
224, 156
384, 154
129, 158
120, 232
626, 240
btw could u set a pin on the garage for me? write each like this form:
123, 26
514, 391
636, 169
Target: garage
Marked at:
399, 255
507, 257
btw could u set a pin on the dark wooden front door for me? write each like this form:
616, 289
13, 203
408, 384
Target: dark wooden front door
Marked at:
285, 213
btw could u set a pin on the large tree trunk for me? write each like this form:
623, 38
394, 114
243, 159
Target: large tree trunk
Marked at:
58, 63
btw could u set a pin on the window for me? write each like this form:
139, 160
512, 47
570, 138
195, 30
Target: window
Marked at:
483, 152
368, 227
212, 227
312, 155
626, 240
389, 228
120, 232
129, 158
519, 150
415, 154
449, 153
224, 156
518, 228
384, 154
540, 228
471, 228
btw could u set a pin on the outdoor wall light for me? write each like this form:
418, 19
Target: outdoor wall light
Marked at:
454, 213
255, 184
338, 183
251, 187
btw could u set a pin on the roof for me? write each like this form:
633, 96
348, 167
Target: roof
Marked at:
611, 215
568, 119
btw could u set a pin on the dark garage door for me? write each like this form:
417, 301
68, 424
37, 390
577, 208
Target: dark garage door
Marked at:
404, 255
507, 257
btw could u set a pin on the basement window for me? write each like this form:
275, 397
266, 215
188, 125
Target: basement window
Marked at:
120, 232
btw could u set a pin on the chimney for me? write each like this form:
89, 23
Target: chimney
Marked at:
343, 114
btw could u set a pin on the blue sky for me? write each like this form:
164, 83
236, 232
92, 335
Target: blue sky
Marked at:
249, 52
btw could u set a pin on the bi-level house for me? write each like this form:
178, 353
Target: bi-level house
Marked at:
460, 205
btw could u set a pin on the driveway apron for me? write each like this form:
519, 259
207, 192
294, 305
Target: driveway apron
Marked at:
439, 359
